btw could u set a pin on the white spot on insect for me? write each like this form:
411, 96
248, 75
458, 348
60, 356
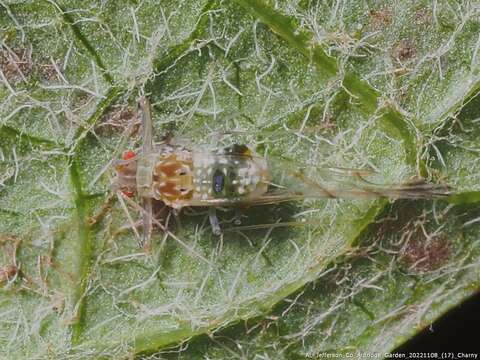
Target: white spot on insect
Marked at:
201, 160
243, 172
234, 182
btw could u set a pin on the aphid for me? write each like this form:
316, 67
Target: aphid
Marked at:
235, 176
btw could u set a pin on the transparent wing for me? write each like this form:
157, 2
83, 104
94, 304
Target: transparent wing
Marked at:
318, 183
274, 196
293, 182
276, 164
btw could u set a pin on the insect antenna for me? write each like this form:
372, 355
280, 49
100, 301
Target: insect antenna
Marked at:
165, 229
145, 108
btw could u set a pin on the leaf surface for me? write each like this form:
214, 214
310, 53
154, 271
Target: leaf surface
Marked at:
361, 85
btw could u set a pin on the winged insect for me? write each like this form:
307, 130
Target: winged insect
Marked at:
178, 176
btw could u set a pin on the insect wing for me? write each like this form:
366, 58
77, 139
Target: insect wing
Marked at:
228, 174
331, 182
290, 181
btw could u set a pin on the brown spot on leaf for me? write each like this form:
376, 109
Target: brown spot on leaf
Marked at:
406, 231
16, 64
426, 254
324, 126
7, 273
380, 18
422, 16
80, 99
397, 221
117, 119
47, 71
5, 239
9, 245
404, 50
328, 125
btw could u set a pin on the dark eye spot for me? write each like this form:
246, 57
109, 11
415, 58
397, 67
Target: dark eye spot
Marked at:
218, 181
237, 149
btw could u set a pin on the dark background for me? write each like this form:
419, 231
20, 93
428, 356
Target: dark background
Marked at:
457, 331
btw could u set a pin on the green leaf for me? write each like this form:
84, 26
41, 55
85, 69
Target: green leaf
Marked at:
353, 84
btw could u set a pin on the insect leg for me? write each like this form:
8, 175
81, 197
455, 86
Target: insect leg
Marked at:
147, 142
176, 216
121, 198
214, 223
106, 207
172, 235
145, 242
237, 218
272, 225
147, 146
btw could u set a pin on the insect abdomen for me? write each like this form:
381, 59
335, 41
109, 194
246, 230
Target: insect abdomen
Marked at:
228, 176
181, 178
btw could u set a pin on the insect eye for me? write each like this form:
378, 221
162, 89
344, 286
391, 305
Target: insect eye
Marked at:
128, 154
218, 181
128, 193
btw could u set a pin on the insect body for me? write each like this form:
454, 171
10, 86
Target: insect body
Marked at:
182, 177
179, 176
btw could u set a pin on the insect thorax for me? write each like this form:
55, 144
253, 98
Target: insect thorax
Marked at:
181, 177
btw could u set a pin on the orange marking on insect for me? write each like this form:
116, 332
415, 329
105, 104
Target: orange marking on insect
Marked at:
169, 189
128, 154
169, 168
